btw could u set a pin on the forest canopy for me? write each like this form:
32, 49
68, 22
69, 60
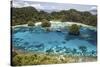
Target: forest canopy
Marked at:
25, 14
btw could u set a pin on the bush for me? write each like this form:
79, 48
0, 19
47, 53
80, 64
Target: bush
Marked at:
14, 53
74, 30
17, 60
45, 23
30, 23
22, 59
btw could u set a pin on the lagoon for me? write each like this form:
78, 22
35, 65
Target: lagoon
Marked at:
56, 40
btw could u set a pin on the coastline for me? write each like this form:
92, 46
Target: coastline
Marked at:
58, 24
37, 58
24, 25
50, 59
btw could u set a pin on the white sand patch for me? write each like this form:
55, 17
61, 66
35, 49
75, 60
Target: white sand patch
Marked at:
24, 25
38, 23
58, 24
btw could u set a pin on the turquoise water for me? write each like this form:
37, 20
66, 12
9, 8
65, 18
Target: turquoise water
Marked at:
39, 40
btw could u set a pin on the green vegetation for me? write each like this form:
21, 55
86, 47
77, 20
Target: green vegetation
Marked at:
45, 23
29, 15
25, 14
14, 54
74, 29
30, 23
36, 59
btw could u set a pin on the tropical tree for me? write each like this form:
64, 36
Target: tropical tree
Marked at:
74, 29
23, 15
30, 23
45, 23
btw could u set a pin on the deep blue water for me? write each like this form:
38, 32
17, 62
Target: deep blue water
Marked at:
37, 39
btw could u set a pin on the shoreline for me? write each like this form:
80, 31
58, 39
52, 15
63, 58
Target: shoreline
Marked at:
39, 59
58, 24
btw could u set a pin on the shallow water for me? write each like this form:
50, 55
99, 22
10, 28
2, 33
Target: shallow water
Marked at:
37, 39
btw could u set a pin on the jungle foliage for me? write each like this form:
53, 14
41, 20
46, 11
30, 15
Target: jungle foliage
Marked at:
25, 14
